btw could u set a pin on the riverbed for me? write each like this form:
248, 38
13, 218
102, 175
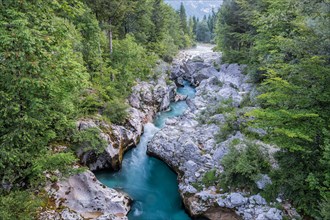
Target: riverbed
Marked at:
148, 181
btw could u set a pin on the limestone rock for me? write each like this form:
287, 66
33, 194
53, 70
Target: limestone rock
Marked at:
118, 138
146, 100
263, 181
237, 199
85, 197
197, 59
257, 199
189, 147
274, 214
202, 74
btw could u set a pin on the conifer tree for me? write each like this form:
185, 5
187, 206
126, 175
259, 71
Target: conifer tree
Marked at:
183, 18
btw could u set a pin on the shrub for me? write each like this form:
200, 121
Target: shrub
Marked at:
19, 205
210, 178
116, 111
217, 66
62, 162
243, 166
228, 127
225, 106
197, 186
167, 49
89, 139
298, 185
325, 208
90, 103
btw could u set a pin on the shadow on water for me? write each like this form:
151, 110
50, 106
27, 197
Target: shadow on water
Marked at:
149, 181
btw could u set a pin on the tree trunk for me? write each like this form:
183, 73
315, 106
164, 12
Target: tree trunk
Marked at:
110, 37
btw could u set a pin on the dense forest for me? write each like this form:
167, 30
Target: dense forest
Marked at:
61, 60
204, 29
65, 59
286, 45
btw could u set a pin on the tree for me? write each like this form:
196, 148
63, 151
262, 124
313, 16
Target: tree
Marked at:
110, 13
203, 33
195, 21
138, 22
233, 32
55, 67
158, 22
191, 28
42, 76
183, 18
211, 22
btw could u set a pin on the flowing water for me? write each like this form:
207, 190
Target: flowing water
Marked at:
149, 181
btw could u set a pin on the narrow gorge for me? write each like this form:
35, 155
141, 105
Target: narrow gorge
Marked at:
164, 110
184, 136
150, 183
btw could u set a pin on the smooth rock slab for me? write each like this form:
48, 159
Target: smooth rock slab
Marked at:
86, 197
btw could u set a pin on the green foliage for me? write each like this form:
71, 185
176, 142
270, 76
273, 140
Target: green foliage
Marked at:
153, 23
325, 208
90, 102
235, 142
42, 75
231, 32
116, 111
210, 178
55, 67
131, 60
169, 32
286, 45
50, 163
229, 126
287, 128
243, 166
299, 183
19, 205
234, 119
309, 186
225, 106
89, 140
197, 186
167, 49
49, 52
203, 33
142, 31
183, 18
204, 30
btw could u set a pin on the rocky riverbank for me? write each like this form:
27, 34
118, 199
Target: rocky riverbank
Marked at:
146, 100
188, 145
82, 196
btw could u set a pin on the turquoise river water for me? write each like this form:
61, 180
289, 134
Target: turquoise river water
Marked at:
150, 182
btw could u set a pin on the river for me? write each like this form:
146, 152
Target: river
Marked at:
150, 182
